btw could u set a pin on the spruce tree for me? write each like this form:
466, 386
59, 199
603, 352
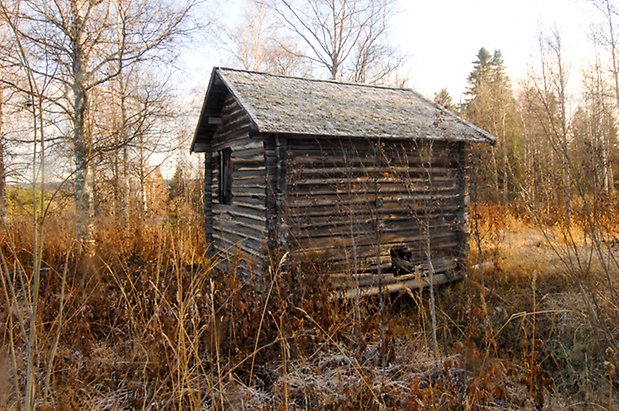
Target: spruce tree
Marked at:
490, 105
443, 99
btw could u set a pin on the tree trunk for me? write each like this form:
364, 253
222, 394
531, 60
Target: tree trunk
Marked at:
2, 167
116, 209
505, 160
495, 176
121, 159
142, 178
83, 194
613, 50
126, 185
84, 205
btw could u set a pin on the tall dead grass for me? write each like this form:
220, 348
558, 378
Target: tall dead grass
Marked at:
149, 322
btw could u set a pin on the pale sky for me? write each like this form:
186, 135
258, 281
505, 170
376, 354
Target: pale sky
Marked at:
442, 38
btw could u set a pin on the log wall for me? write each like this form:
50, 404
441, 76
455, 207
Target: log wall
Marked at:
344, 202
350, 201
241, 225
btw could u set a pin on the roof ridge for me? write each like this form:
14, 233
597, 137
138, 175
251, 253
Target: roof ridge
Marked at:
317, 80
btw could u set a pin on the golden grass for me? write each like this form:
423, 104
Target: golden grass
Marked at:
149, 323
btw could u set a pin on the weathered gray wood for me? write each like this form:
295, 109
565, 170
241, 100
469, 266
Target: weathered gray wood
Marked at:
281, 191
344, 193
240, 225
411, 284
340, 202
208, 199
271, 190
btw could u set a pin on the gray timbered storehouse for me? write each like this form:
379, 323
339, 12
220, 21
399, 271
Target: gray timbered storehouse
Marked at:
367, 180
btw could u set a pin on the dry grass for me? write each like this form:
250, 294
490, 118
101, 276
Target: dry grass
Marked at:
149, 323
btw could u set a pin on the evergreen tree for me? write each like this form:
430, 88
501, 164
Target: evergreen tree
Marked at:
176, 188
480, 76
443, 99
490, 105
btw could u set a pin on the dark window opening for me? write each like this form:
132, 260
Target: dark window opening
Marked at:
225, 176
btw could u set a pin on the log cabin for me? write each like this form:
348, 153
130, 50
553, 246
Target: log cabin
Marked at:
368, 180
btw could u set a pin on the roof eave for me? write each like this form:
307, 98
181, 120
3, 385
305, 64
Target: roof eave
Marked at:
479, 136
201, 118
241, 102
485, 137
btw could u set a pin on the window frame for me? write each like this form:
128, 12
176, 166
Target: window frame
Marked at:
225, 176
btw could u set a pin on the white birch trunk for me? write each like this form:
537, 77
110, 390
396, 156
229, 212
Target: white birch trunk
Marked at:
3, 210
84, 205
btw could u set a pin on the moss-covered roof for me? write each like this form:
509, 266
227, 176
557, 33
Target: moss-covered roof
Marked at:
292, 105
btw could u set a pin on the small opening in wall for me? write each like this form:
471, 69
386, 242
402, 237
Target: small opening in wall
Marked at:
225, 179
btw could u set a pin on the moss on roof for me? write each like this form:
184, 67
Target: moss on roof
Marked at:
292, 105
299, 106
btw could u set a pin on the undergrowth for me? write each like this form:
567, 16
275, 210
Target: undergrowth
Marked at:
150, 322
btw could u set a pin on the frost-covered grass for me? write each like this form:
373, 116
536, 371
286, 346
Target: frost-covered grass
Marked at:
148, 322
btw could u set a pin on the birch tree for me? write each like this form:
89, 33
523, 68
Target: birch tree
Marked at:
594, 132
136, 123
606, 73
257, 44
608, 37
541, 163
551, 87
347, 38
93, 42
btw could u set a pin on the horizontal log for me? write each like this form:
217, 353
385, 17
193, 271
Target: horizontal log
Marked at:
412, 284
393, 191
233, 110
385, 222
252, 150
369, 184
224, 243
324, 243
241, 231
252, 191
227, 137
241, 214
242, 203
322, 160
299, 213
355, 200
380, 171
317, 238
248, 168
238, 234
440, 265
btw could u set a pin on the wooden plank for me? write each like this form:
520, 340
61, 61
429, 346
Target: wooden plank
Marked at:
440, 264
243, 221
281, 191
327, 242
413, 284
426, 199
271, 190
208, 198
